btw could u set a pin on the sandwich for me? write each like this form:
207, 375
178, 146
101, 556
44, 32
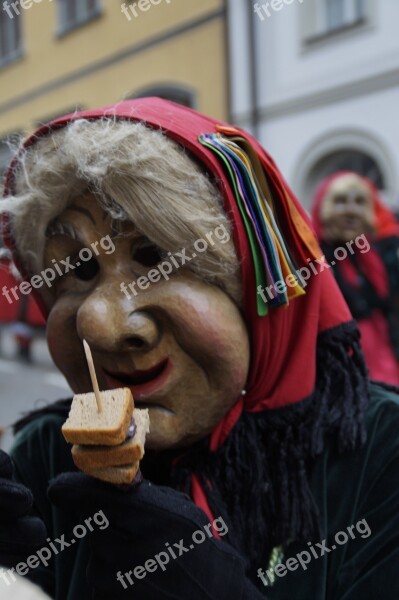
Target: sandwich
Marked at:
108, 443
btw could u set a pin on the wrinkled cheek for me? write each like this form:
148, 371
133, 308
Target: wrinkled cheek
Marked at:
223, 352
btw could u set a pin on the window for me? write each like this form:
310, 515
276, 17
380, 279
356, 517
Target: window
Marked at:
10, 37
335, 14
342, 13
73, 13
6, 152
178, 94
324, 17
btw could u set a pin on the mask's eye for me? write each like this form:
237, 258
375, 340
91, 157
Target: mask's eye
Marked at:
340, 199
360, 200
85, 271
147, 254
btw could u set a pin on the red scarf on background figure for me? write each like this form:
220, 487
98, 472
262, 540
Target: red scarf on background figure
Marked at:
380, 357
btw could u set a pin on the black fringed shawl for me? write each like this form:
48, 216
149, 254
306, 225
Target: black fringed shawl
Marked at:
259, 479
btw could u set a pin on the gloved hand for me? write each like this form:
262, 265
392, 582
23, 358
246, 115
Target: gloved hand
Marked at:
158, 545
21, 533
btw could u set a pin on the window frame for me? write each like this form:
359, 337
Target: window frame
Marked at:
352, 14
356, 17
17, 52
13, 138
181, 94
82, 17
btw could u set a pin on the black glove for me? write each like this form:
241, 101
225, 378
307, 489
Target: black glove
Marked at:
158, 545
21, 534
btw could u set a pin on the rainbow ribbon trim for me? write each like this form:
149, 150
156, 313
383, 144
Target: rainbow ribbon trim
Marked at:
272, 260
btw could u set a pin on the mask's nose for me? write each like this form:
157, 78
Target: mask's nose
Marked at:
112, 324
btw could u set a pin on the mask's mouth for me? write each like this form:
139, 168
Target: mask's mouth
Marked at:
142, 383
138, 377
350, 221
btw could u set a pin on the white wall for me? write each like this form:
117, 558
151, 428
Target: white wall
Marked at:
371, 119
287, 68
347, 83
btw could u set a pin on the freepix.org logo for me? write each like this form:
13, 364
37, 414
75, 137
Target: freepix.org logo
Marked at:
304, 273
44, 555
13, 8
133, 9
59, 269
313, 552
268, 8
176, 260
173, 551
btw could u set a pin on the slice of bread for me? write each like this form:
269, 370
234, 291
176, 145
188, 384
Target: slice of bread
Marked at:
86, 425
95, 457
117, 475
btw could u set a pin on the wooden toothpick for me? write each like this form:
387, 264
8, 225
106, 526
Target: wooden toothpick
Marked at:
93, 377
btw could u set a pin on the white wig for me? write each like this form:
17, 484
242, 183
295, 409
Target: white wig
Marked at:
137, 174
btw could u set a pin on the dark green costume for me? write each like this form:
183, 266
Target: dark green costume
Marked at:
349, 487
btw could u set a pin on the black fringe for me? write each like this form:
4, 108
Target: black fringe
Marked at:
259, 480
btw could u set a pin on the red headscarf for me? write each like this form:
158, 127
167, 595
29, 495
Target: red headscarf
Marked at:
283, 343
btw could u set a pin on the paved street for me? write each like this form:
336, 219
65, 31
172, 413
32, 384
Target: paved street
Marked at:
23, 387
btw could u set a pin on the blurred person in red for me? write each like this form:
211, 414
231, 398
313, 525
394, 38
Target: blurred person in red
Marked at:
345, 208
22, 316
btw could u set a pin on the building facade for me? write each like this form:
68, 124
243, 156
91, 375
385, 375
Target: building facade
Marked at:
318, 83
57, 56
